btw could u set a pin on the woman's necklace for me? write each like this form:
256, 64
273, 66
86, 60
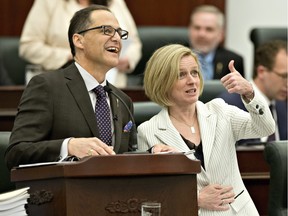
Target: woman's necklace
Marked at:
191, 127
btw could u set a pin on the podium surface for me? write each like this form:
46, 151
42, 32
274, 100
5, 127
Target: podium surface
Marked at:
112, 185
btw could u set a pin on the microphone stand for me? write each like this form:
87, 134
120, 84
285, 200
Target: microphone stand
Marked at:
134, 128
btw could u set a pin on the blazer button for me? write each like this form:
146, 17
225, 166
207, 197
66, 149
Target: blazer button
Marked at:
257, 106
261, 112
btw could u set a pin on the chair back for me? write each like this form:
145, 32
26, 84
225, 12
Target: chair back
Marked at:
212, 89
5, 183
261, 35
14, 65
152, 38
143, 111
275, 153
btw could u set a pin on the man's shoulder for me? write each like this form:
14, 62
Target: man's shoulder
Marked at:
120, 93
232, 99
222, 51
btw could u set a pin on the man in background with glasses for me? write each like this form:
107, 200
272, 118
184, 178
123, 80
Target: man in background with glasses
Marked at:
58, 115
270, 79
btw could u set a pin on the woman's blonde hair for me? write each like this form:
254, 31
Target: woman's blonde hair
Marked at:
162, 72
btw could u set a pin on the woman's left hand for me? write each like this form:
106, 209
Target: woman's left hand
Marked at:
159, 148
235, 83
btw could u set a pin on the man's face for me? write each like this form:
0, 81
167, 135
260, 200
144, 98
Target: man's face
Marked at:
275, 85
205, 32
99, 49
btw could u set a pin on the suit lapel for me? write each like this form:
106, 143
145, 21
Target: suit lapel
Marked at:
77, 88
207, 123
168, 134
116, 114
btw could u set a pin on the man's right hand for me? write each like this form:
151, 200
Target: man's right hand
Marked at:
82, 147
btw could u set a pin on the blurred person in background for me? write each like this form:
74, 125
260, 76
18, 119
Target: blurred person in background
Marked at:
206, 33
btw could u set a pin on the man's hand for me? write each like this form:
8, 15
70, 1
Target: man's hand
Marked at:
82, 147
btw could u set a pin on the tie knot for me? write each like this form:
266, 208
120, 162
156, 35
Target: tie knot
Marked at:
100, 92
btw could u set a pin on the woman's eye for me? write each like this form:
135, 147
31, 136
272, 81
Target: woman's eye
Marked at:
182, 75
194, 73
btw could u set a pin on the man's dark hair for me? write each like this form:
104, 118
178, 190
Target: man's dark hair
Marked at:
265, 54
100, 2
81, 21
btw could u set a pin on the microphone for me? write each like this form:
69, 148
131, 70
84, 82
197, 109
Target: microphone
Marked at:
115, 118
133, 129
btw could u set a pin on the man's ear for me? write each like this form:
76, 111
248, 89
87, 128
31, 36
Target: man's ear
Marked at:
260, 70
78, 41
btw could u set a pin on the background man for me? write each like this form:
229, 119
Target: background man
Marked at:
206, 33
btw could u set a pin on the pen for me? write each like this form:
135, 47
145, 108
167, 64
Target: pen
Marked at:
239, 194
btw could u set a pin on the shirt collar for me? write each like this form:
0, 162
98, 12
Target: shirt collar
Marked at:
89, 80
207, 57
269, 102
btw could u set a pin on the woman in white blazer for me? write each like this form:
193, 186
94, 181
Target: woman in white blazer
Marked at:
173, 80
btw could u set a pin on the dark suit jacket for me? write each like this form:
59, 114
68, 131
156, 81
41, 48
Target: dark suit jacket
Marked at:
281, 110
55, 106
222, 59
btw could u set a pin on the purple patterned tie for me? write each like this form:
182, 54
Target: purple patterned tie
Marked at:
102, 113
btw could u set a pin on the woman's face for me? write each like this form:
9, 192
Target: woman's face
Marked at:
186, 89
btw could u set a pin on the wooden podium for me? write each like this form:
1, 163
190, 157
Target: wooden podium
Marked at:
111, 185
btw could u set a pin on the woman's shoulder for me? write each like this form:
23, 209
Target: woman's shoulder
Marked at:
213, 104
153, 121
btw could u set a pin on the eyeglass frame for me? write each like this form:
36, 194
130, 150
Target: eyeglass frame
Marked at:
126, 33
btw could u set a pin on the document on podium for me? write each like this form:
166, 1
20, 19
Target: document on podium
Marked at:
13, 202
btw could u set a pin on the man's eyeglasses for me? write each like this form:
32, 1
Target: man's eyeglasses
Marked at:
282, 75
108, 30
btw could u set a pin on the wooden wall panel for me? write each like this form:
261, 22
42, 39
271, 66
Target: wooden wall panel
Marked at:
166, 12
12, 16
145, 12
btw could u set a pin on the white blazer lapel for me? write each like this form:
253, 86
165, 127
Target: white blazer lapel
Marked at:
168, 134
207, 123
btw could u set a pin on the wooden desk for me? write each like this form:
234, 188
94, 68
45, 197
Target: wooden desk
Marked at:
255, 173
10, 96
7, 117
112, 185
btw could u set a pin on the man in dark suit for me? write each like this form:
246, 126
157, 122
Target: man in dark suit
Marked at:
270, 80
56, 116
206, 33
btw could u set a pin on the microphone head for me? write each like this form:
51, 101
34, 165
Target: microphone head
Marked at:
107, 89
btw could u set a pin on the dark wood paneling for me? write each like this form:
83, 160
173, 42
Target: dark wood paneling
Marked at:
166, 12
255, 173
12, 15
145, 12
